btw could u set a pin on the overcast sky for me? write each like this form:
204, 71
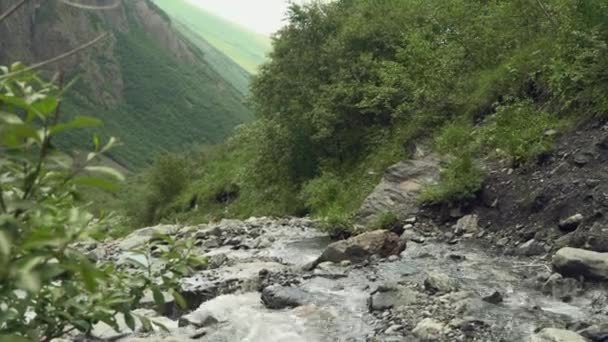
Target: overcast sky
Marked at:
263, 16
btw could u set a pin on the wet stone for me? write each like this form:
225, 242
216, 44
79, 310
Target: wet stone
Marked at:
495, 298
280, 297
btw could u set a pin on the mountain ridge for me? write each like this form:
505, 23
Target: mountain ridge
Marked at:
152, 87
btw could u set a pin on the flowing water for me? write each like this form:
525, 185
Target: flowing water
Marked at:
339, 309
338, 306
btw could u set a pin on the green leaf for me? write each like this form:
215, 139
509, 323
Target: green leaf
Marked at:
29, 281
81, 325
96, 142
179, 299
129, 320
77, 122
90, 274
14, 135
106, 170
45, 106
111, 143
15, 101
96, 182
161, 326
10, 118
5, 244
159, 299
146, 324
42, 238
163, 237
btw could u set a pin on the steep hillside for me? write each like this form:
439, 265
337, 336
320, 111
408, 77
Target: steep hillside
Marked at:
247, 48
153, 89
230, 70
353, 87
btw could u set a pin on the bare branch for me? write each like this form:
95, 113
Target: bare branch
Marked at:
12, 10
94, 8
58, 58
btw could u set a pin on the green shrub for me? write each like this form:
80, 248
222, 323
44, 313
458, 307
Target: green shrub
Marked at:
517, 132
386, 221
337, 223
321, 193
460, 180
48, 287
457, 138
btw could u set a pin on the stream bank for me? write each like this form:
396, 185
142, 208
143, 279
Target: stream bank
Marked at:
261, 288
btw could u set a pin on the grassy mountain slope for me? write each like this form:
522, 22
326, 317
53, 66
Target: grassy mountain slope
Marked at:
245, 47
353, 86
224, 65
154, 90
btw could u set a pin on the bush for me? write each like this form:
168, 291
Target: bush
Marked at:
386, 221
337, 223
517, 132
48, 287
461, 180
321, 193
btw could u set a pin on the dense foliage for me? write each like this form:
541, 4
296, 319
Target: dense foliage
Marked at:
49, 287
352, 84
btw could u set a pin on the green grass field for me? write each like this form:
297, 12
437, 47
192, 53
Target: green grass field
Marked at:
245, 47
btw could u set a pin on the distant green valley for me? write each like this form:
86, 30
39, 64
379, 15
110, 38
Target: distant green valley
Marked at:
245, 47
157, 86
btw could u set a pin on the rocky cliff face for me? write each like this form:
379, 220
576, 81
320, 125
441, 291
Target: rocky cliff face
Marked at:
43, 29
142, 35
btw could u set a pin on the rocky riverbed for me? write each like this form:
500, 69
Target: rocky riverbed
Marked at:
282, 280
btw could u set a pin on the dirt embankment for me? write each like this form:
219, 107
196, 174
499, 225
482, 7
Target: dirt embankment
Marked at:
561, 200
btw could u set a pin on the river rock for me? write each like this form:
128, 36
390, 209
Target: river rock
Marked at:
439, 282
467, 224
429, 330
560, 287
357, 249
281, 297
412, 235
391, 296
556, 335
597, 238
571, 223
494, 298
142, 236
574, 262
530, 248
596, 332
198, 319
399, 189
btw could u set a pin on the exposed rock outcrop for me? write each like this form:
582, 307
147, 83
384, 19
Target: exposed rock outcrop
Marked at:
399, 189
576, 262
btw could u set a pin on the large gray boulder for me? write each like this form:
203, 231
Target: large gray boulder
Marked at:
399, 189
574, 262
281, 297
359, 248
556, 335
